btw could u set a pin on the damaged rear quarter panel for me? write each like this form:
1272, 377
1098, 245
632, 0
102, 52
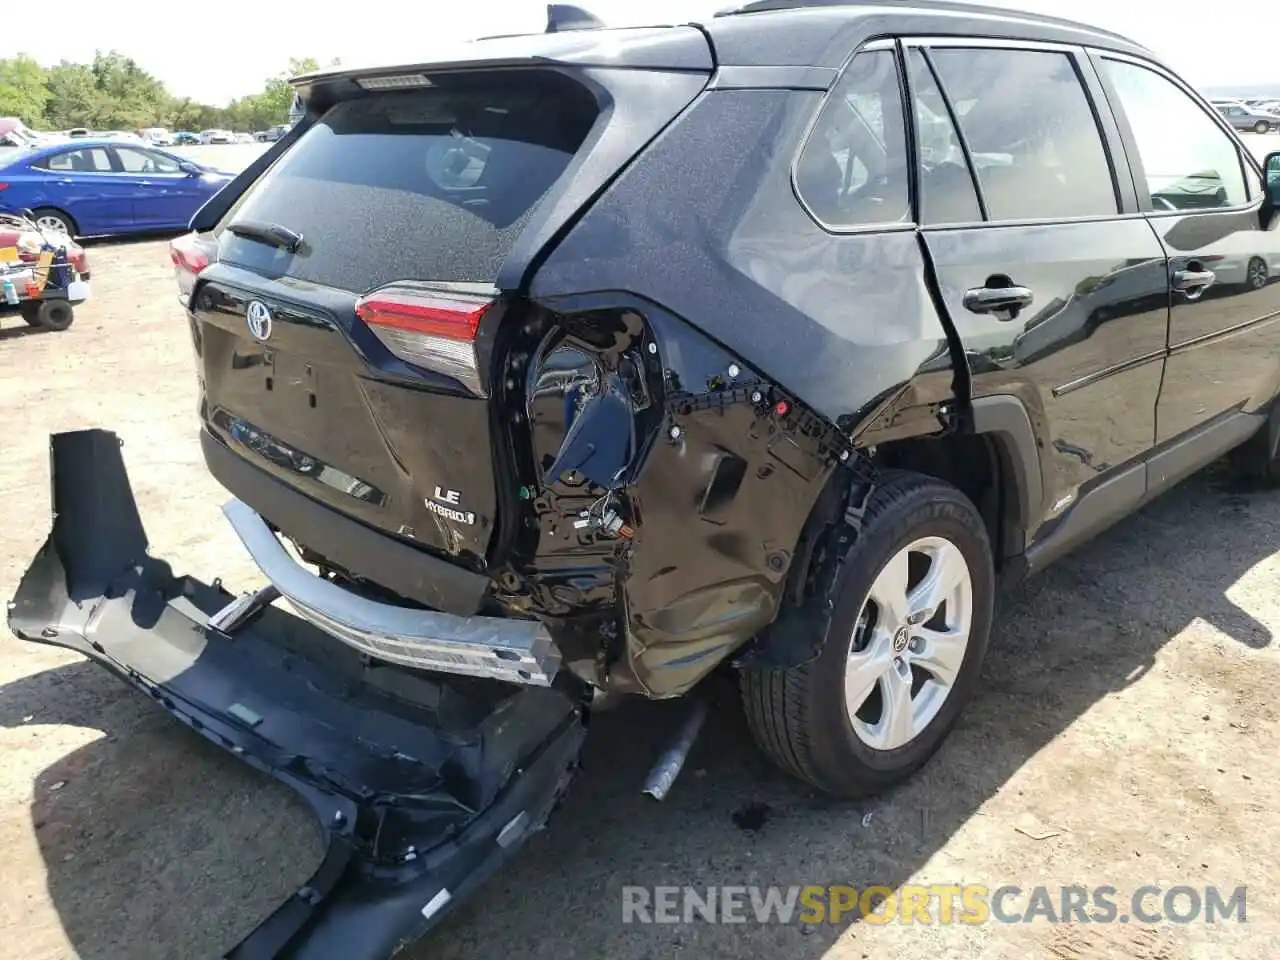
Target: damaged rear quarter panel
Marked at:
704, 236
706, 224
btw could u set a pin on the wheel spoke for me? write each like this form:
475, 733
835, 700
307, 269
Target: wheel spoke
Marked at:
947, 570
895, 726
941, 653
890, 591
863, 672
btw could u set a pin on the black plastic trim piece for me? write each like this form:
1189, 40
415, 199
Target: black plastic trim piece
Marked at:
409, 572
1141, 481
1184, 455
1106, 503
1005, 418
408, 835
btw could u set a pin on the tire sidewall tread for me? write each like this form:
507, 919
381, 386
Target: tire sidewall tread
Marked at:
798, 714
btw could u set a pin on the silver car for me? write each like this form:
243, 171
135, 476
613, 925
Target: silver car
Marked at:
1247, 118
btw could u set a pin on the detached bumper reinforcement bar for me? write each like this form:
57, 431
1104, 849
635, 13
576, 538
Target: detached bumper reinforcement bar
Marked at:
423, 784
517, 651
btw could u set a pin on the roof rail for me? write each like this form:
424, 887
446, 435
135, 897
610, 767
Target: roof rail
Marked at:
760, 6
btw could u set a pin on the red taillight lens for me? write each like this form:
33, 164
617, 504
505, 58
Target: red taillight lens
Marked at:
190, 254
4, 186
429, 327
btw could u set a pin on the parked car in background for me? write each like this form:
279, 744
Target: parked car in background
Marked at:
185, 138
15, 133
216, 136
157, 136
272, 134
244, 138
105, 187
1243, 117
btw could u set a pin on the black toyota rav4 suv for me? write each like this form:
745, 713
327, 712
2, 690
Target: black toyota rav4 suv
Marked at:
585, 364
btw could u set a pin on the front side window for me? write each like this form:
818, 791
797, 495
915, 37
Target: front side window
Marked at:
1187, 160
853, 168
145, 161
1031, 129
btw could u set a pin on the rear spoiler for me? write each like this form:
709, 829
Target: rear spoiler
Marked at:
570, 41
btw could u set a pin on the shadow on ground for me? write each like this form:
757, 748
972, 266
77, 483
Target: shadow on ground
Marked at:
183, 863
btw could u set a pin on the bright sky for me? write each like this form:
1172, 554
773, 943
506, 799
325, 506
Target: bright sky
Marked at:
225, 49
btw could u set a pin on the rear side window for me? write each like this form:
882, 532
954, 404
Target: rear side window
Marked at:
1187, 160
432, 184
853, 168
947, 194
1032, 133
84, 160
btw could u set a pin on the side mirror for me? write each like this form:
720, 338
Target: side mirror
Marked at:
190, 169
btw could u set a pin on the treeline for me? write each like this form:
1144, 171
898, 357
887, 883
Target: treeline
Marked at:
114, 93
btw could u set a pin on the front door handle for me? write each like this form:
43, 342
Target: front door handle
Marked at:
1193, 281
1004, 300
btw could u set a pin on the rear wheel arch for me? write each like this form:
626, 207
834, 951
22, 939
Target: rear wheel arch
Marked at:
1004, 420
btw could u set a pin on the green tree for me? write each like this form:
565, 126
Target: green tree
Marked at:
115, 93
23, 92
73, 96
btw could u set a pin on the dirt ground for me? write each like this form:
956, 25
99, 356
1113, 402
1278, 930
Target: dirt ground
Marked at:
1126, 718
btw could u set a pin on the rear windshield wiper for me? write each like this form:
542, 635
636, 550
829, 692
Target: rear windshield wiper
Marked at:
272, 233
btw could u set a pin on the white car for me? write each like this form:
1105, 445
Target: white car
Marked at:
216, 136
158, 136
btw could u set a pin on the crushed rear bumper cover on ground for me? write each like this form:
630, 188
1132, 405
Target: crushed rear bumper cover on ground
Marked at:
423, 787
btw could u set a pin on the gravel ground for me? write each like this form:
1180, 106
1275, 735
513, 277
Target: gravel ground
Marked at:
1126, 718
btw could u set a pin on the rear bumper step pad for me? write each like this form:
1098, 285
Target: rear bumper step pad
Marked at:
408, 773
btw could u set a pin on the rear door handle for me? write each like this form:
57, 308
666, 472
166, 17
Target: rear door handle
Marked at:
1008, 300
1189, 281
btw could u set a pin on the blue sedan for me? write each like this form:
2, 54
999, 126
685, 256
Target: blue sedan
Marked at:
94, 188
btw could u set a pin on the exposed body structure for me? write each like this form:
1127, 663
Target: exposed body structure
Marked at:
766, 343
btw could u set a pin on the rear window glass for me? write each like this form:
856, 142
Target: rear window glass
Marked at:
432, 184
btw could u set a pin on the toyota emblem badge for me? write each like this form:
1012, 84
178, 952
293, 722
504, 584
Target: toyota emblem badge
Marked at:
259, 319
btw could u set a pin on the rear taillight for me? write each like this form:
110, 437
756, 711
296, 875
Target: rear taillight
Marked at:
190, 254
429, 327
4, 186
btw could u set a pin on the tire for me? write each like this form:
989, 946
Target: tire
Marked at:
798, 715
53, 216
1254, 462
1256, 273
1261, 126
55, 315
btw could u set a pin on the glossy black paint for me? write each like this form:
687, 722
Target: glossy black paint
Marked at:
841, 320
1222, 340
323, 406
1086, 357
